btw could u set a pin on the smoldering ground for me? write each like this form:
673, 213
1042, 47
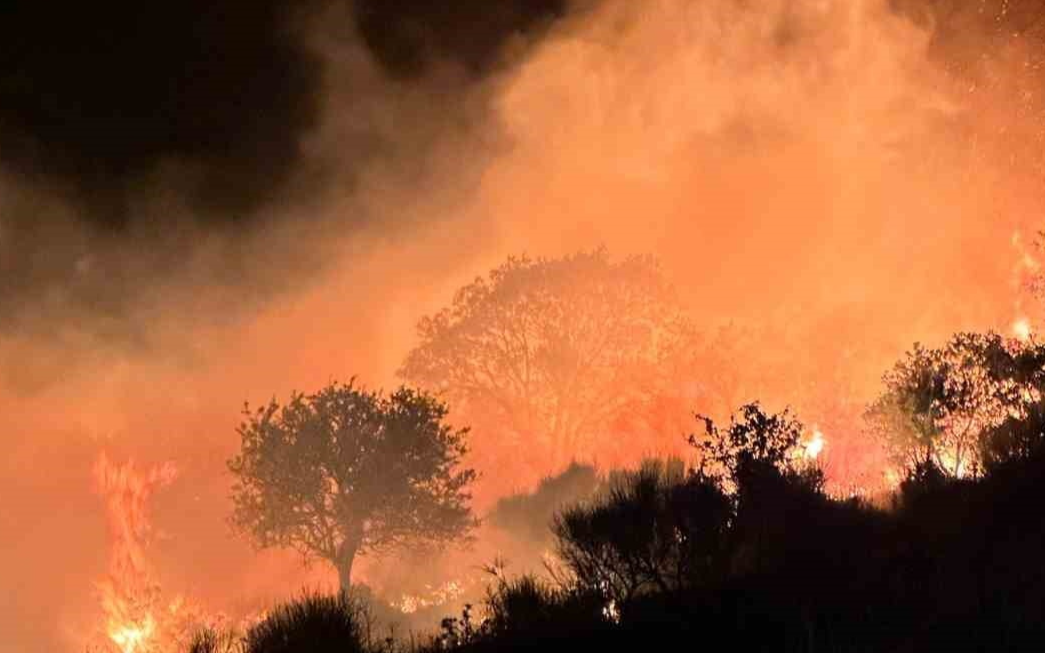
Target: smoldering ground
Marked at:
193, 214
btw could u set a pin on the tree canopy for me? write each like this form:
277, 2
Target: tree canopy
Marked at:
345, 471
939, 404
755, 443
543, 355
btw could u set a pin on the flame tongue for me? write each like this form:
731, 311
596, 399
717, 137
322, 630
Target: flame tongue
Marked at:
815, 445
132, 638
129, 593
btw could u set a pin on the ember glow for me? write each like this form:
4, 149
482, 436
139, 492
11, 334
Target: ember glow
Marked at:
1021, 330
446, 593
131, 638
814, 445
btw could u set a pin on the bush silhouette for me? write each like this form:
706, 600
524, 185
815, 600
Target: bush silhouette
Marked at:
655, 529
748, 549
211, 641
312, 624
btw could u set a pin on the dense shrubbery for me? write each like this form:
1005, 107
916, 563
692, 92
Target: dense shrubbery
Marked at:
313, 624
775, 564
654, 530
748, 549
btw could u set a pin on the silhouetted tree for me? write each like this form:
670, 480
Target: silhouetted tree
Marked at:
1017, 438
753, 440
551, 351
938, 403
345, 470
760, 460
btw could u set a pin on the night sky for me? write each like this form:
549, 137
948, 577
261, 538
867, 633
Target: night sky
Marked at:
104, 107
100, 101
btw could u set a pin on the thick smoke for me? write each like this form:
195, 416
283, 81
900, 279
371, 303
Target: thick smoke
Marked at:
263, 197
146, 148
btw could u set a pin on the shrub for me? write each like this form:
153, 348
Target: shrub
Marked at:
655, 529
312, 624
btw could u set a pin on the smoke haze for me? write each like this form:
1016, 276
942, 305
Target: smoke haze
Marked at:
270, 203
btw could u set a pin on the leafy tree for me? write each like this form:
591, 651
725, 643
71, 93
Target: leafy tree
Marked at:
549, 352
753, 441
1017, 438
760, 461
345, 471
939, 404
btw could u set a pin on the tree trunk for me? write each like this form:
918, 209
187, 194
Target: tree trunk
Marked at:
346, 555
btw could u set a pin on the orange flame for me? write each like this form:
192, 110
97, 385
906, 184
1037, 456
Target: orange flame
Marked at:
131, 638
1021, 329
815, 445
129, 594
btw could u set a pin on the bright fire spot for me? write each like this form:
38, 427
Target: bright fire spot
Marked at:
129, 594
132, 638
893, 477
815, 445
443, 594
1021, 329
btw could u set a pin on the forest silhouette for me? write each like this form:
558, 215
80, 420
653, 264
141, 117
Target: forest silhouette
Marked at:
740, 540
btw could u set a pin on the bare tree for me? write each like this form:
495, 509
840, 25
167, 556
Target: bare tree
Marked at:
345, 471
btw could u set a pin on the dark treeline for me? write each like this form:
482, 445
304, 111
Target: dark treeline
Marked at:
748, 549
744, 545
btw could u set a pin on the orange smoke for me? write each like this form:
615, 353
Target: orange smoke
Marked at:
806, 170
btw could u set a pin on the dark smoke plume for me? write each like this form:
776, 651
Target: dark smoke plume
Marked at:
134, 136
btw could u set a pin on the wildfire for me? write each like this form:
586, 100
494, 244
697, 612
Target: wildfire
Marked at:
815, 445
448, 591
1021, 329
129, 594
138, 618
131, 638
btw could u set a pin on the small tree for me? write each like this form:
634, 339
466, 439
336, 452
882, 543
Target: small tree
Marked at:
754, 441
939, 404
345, 471
1016, 439
759, 459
